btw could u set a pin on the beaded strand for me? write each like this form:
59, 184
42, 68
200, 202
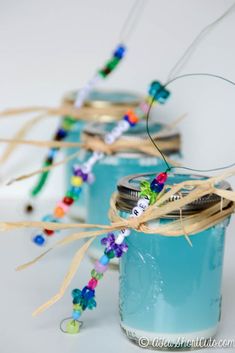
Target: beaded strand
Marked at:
68, 122
82, 174
114, 247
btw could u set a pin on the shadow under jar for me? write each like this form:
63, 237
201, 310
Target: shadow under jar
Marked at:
170, 292
111, 168
116, 102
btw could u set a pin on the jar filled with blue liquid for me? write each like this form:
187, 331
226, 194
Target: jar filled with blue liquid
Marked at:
113, 167
116, 102
170, 292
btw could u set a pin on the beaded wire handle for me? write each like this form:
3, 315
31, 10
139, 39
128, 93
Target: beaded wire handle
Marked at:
115, 246
83, 174
68, 123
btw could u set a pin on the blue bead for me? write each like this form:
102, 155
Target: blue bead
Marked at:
126, 117
162, 96
76, 315
52, 153
47, 218
76, 191
76, 293
61, 133
87, 293
120, 52
154, 88
104, 260
155, 186
39, 240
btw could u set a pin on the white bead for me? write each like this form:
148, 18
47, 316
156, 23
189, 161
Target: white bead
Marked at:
86, 168
137, 211
116, 132
124, 125
119, 239
90, 178
125, 232
98, 155
109, 139
143, 203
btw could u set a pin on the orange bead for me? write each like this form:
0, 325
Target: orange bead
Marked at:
132, 117
59, 212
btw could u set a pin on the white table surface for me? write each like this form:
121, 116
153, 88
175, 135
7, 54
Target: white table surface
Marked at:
22, 292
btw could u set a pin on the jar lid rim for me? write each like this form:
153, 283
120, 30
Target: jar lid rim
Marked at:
128, 193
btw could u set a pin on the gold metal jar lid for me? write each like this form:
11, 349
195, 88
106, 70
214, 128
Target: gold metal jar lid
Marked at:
105, 106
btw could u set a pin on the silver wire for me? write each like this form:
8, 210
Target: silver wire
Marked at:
189, 51
131, 20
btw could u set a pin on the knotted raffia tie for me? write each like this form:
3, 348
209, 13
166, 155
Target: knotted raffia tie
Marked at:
97, 144
191, 224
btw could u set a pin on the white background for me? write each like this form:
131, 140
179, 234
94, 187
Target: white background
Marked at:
50, 47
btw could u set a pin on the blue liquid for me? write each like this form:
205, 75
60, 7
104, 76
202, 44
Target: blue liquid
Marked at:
168, 287
108, 172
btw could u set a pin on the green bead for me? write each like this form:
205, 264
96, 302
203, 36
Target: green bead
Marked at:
111, 64
102, 73
110, 254
68, 120
70, 194
72, 327
96, 275
77, 307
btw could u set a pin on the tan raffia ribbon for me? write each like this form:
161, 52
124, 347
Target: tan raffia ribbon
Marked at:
145, 148
68, 278
97, 144
20, 135
86, 112
192, 224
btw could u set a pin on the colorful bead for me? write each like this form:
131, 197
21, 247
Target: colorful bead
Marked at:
76, 292
99, 268
156, 187
161, 178
52, 153
61, 133
76, 181
68, 200
39, 240
120, 51
72, 327
77, 307
76, 315
96, 275
59, 212
87, 293
48, 232
80, 173
92, 283
104, 260
110, 254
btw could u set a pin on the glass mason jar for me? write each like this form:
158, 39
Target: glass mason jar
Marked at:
119, 101
113, 167
170, 292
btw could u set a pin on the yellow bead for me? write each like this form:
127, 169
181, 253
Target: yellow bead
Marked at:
72, 327
76, 181
77, 307
149, 100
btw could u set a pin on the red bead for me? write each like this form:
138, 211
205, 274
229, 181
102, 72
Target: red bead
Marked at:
161, 178
68, 200
48, 232
92, 283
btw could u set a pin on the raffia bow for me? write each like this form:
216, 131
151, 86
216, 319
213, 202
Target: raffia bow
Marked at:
191, 224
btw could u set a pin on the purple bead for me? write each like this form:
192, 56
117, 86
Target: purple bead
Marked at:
79, 172
99, 267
